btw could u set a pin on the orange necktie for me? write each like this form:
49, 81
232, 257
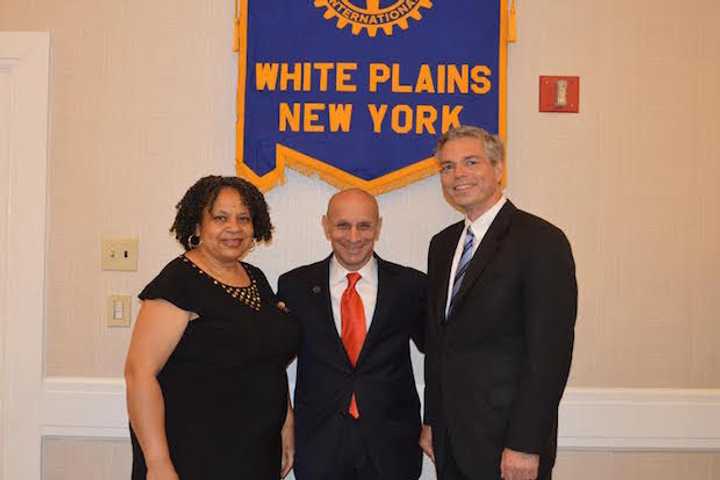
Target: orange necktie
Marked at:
352, 314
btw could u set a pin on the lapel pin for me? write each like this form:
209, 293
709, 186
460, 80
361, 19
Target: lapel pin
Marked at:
316, 289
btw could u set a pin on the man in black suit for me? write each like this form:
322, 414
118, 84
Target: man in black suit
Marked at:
502, 307
357, 412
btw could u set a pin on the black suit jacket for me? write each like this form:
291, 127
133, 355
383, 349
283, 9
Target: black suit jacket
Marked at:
496, 368
382, 380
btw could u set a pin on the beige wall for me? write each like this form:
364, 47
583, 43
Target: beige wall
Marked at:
637, 465
142, 104
90, 460
633, 179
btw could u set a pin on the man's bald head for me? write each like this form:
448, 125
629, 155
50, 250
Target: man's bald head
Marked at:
352, 195
352, 225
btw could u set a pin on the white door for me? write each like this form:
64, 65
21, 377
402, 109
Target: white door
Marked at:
24, 59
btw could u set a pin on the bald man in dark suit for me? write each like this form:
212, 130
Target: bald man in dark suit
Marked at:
357, 411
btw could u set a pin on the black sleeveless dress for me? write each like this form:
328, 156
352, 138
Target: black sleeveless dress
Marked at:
225, 384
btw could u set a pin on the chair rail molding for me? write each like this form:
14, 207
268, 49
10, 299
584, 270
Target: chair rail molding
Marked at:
590, 418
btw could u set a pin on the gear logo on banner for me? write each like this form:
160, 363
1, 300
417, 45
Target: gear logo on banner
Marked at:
372, 16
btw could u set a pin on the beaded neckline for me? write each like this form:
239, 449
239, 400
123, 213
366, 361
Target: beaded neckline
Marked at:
249, 295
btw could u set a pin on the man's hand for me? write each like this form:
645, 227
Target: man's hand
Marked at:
519, 465
425, 442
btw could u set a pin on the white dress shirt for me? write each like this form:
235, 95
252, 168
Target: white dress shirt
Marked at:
479, 228
366, 288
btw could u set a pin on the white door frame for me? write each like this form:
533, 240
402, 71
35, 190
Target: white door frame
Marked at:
24, 66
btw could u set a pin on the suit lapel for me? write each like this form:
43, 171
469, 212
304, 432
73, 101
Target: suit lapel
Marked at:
486, 251
383, 301
320, 287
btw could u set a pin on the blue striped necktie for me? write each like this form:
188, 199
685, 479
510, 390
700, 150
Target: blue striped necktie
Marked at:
463, 264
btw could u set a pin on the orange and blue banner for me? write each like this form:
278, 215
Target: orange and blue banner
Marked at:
357, 91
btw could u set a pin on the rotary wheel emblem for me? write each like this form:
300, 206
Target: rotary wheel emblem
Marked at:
371, 16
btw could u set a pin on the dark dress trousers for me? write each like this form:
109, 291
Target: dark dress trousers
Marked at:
382, 380
496, 368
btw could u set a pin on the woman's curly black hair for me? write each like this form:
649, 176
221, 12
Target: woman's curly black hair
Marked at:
202, 196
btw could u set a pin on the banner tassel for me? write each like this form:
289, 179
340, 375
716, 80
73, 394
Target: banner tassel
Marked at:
512, 25
236, 30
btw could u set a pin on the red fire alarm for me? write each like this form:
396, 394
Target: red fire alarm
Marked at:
559, 94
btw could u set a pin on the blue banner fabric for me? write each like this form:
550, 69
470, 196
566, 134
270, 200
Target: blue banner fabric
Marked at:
357, 92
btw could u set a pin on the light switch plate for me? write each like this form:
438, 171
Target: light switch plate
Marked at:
119, 254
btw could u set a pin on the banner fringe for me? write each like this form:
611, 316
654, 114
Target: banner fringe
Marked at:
236, 29
512, 24
311, 167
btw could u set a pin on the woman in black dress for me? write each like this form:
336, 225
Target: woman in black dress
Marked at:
207, 389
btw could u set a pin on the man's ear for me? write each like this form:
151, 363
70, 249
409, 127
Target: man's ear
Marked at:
326, 226
378, 229
499, 168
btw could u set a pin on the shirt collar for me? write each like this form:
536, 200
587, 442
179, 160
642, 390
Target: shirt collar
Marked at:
482, 223
338, 273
